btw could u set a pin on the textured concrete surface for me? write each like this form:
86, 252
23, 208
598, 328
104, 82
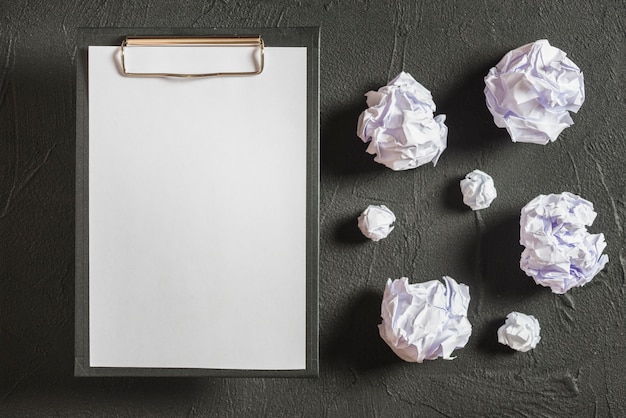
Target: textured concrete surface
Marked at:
578, 369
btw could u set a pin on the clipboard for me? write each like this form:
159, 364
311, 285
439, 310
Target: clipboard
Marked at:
197, 203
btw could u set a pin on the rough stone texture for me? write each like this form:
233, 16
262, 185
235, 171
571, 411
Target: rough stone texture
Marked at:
578, 369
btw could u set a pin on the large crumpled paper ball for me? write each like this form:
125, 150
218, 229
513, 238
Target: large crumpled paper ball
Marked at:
400, 127
376, 222
560, 253
478, 190
425, 320
531, 91
520, 332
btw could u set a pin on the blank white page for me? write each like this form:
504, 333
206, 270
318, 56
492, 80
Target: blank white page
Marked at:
197, 215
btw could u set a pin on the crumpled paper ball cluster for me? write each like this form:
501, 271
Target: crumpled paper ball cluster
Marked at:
530, 92
559, 251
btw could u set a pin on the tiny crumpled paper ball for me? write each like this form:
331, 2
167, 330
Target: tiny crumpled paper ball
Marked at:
400, 127
559, 251
478, 190
520, 332
531, 91
375, 222
424, 321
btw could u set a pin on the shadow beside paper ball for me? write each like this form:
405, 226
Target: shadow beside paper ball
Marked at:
355, 341
342, 152
500, 255
453, 198
347, 231
488, 339
469, 121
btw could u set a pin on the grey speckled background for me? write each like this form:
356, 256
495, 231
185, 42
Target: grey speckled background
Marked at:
579, 368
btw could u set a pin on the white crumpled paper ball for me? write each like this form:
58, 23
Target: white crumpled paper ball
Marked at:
478, 190
425, 320
400, 127
375, 222
531, 91
560, 253
520, 332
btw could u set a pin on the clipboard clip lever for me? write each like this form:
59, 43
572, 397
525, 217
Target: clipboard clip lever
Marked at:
246, 41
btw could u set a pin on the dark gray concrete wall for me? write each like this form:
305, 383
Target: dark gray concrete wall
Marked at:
578, 369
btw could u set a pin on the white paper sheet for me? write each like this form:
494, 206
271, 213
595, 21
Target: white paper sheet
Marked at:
197, 209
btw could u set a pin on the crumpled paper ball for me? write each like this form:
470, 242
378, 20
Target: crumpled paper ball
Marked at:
400, 127
531, 91
425, 320
478, 190
520, 332
375, 222
560, 253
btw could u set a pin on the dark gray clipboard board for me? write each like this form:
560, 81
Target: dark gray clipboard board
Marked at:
296, 37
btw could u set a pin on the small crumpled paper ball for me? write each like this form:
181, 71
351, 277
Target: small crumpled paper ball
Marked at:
560, 253
375, 222
478, 190
400, 127
531, 91
520, 332
425, 320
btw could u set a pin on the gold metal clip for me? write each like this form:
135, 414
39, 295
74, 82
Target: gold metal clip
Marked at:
250, 41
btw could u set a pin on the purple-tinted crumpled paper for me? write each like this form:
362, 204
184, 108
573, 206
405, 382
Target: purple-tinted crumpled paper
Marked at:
520, 332
400, 127
531, 91
478, 190
376, 222
425, 320
560, 253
